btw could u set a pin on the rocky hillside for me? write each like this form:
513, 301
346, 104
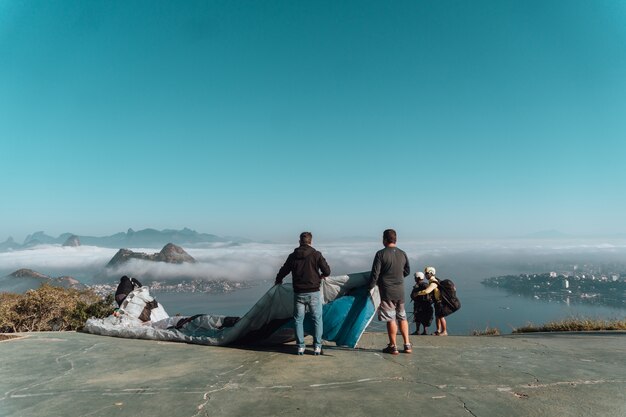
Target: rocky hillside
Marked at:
170, 253
28, 273
32, 279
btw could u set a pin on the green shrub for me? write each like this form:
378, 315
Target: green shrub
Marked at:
51, 308
574, 325
489, 331
8, 315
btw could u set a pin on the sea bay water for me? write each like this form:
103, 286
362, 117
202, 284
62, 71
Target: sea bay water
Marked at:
481, 307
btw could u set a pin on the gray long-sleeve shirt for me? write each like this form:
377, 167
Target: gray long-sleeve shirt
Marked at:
390, 267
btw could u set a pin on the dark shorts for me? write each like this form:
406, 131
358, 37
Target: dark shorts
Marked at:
423, 314
442, 310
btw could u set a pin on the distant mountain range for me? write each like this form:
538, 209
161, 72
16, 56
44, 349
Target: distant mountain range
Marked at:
556, 234
546, 234
146, 238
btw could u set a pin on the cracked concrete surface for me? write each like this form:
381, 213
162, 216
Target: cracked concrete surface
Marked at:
73, 374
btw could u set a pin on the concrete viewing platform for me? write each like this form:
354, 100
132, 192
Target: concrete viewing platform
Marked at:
74, 374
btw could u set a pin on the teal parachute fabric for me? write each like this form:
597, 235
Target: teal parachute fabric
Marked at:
346, 318
349, 307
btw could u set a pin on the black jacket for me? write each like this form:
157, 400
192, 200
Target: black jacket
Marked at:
125, 287
305, 265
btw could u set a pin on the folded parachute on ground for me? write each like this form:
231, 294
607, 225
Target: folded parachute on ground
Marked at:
349, 306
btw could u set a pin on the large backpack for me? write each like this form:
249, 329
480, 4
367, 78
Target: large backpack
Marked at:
449, 301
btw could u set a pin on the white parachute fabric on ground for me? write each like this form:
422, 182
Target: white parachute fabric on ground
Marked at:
269, 321
134, 304
334, 287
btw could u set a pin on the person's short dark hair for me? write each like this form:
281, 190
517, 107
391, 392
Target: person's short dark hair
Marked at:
389, 236
306, 238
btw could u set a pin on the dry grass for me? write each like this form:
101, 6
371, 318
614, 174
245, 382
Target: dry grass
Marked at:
574, 325
50, 308
488, 331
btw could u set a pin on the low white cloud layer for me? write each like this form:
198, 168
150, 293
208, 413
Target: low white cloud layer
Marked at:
262, 261
56, 258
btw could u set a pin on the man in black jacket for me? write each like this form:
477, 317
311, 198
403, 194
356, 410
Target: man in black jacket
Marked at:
307, 267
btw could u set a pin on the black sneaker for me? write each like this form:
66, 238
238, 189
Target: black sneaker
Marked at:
392, 349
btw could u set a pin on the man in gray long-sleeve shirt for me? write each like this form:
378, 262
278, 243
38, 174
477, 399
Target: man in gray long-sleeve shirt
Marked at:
390, 267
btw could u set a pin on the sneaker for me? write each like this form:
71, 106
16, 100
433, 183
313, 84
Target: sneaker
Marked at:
318, 351
408, 348
392, 349
300, 351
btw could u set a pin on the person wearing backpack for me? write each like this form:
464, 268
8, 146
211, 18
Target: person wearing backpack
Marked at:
422, 304
125, 287
440, 309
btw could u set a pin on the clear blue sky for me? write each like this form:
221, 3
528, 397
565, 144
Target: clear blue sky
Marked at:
261, 119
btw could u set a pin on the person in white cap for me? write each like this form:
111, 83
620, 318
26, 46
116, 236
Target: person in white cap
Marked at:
422, 304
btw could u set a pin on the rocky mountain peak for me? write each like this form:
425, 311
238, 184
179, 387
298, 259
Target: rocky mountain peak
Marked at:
172, 253
38, 238
28, 273
9, 244
124, 255
73, 240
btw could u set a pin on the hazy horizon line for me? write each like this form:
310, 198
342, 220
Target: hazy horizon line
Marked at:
280, 239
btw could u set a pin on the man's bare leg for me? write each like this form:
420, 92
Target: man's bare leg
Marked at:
392, 329
404, 330
444, 327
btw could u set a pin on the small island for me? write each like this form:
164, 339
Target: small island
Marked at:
25, 274
170, 253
